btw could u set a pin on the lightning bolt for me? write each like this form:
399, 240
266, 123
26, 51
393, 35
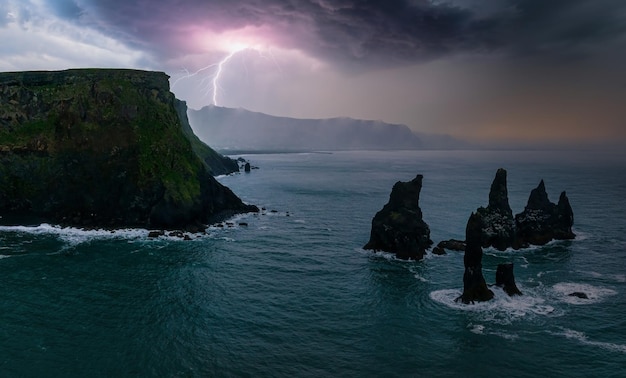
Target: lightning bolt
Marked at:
218, 72
212, 89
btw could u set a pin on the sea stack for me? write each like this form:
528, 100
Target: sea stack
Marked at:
506, 279
104, 148
399, 228
474, 286
497, 226
543, 221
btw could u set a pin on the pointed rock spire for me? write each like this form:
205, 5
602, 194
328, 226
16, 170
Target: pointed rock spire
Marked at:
498, 194
496, 220
538, 199
474, 286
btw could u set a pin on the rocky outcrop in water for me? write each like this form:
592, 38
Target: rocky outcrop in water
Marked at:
474, 286
451, 245
102, 148
543, 221
399, 228
540, 222
506, 279
496, 220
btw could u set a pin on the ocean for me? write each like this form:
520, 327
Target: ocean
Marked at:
290, 292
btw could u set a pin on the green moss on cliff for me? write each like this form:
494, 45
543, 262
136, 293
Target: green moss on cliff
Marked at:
102, 144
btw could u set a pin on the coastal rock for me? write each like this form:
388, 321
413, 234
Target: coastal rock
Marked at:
474, 286
543, 221
399, 228
579, 294
103, 148
246, 167
452, 245
497, 226
506, 279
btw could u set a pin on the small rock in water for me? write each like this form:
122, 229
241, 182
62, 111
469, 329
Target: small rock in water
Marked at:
243, 223
579, 294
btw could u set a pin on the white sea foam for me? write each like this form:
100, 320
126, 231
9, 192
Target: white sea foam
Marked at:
5, 256
502, 309
581, 235
582, 338
612, 277
74, 235
478, 329
418, 275
595, 294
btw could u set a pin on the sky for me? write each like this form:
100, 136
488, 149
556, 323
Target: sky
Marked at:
533, 72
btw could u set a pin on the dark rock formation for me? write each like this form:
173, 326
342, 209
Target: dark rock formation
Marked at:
102, 148
496, 220
543, 221
506, 279
398, 227
540, 222
578, 294
246, 167
474, 285
452, 245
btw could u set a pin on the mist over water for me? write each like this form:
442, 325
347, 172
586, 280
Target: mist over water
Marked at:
293, 293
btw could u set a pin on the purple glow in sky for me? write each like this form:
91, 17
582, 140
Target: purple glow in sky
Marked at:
515, 70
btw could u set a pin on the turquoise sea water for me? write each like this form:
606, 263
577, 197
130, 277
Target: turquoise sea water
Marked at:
293, 293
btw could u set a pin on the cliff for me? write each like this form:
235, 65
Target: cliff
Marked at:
106, 148
215, 163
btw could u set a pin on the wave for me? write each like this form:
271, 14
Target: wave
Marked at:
583, 339
621, 278
595, 294
74, 235
479, 329
502, 309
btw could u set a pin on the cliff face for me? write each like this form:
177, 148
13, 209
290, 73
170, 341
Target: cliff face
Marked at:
101, 147
215, 163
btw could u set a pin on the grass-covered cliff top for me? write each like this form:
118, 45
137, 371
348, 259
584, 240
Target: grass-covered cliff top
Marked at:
108, 126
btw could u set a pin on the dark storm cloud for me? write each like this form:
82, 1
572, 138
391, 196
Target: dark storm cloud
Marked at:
370, 33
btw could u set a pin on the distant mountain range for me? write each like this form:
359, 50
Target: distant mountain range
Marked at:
243, 130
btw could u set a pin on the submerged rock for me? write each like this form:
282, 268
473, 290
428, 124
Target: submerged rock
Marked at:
103, 148
506, 279
399, 228
474, 286
497, 227
543, 221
